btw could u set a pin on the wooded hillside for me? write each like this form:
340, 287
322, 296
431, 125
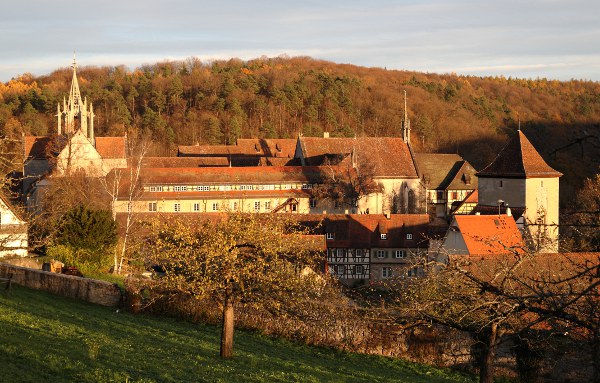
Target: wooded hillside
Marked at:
216, 102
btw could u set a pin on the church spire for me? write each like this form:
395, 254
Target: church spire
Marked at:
74, 104
405, 123
75, 114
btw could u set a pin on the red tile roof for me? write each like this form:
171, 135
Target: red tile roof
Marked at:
111, 147
251, 147
519, 159
489, 234
364, 230
42, 147
183, 162
389, 156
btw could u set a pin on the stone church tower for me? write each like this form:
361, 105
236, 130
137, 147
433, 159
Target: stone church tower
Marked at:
75, 114
521, 180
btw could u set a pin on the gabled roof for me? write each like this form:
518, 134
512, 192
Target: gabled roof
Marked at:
389, 156
111, 147
228, 175
249, 147
183, 162
489, 234
8, 205
519, 159
446, 171
42, 147
364, 230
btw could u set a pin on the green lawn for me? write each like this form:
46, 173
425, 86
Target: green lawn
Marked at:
45, 338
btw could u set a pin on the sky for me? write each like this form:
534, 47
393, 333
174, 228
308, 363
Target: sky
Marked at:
554, 39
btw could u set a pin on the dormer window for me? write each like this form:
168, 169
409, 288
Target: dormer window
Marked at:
330, 235
383, 236
409, 236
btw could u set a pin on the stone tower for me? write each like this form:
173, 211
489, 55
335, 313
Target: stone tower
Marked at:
75, 113
519, 178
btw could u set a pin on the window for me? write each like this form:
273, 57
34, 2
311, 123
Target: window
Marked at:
359, 269
408, 236
383, 236
359, 252
399, 254
386, 272
340, 253
306, 186
412, 272
215, 206
380, 253
129, 207
268, 205
501, 183
203, 188
454, 195
245, 187
294, 207
177, 207
256, 205
339, 270
180, 188
440, 195
151, 206
313, 203
235, 206
337, 204
196, 206
156, 188
330, 235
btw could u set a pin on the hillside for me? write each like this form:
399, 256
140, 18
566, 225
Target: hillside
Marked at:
216, 102
48, 338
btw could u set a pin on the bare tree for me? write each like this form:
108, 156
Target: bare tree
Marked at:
125, 185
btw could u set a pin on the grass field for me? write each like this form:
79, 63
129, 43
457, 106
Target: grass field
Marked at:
45, 338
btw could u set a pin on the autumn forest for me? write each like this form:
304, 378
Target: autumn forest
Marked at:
188, 102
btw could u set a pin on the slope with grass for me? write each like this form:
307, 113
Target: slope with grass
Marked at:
45, 338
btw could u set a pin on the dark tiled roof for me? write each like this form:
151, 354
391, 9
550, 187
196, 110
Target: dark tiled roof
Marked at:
364, 230
43, 147
519, 159
389, 156
446, 171
111, 147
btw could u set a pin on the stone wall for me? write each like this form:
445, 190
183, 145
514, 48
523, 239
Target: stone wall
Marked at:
90, 290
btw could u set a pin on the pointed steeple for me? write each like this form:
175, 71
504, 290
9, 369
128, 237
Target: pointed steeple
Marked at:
519, 159
76, 114
405, 123
75, 102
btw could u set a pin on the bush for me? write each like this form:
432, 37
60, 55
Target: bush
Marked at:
86, 261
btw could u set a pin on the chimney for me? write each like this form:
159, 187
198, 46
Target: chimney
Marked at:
388, 215
478, 213
508, 212
325, 134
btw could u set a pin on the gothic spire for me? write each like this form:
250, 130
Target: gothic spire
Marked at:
405, 123
74, 95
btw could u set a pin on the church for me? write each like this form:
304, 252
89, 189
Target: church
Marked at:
73, 149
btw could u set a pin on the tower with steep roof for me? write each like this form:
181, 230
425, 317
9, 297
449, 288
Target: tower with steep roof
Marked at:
75, 113
521, 179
